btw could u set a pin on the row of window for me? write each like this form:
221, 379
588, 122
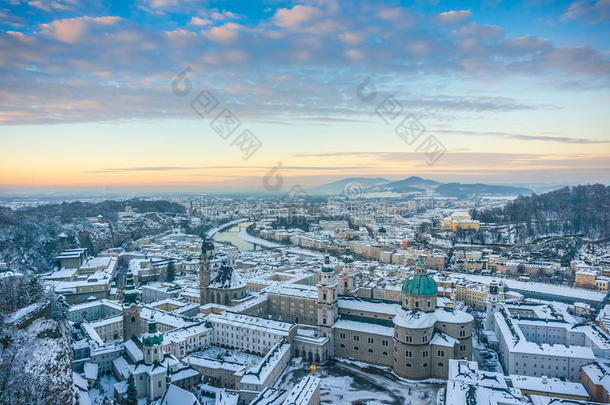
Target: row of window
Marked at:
356, 348
370, 340
428, 303
409, 339
409, 365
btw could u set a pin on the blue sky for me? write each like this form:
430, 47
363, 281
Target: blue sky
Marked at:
516, 92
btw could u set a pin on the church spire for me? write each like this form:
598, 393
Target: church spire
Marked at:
420, 267
130, 294
204, 269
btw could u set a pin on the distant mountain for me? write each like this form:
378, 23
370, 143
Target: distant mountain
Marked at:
419, 185
338, 187
411, 184
460, 190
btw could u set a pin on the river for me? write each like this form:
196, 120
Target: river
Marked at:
230, 235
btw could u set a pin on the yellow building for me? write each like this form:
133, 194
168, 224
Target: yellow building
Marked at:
585, 279
460, 220
601, 283
474, 294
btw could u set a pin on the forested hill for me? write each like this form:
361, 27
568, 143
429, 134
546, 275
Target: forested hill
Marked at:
578, 210
31, 237
68, 211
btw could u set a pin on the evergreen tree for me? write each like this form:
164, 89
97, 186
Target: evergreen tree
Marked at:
170, 273
132, 393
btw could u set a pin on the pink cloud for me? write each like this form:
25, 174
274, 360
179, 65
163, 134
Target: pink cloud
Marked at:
224, 33
72, 29
200, 21
352, 38
289, 18
354, 54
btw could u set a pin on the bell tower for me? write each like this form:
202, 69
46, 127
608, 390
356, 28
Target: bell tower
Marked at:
491, 305
346, 278
204, 270
131, 309
152, 343
328, 309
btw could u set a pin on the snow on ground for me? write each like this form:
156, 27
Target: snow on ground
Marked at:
238, 356
305, 252
553, 289
103, 389
594, 253
343, 383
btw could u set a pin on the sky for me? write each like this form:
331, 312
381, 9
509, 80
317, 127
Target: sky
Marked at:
184, 95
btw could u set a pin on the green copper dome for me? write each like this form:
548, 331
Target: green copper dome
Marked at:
152, 340
153, 337
326, 266
420, 285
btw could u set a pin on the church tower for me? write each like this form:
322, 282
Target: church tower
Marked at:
492, 305
346, 278
152, 343
204, 270
131, 309
328, 309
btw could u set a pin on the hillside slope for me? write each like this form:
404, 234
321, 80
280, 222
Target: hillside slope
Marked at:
578, 210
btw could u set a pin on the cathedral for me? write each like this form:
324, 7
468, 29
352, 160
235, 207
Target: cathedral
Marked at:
416, 338
218, 283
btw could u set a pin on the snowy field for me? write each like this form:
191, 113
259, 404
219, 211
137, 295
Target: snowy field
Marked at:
345, 383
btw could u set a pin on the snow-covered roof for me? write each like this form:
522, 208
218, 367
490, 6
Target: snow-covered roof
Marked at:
442, 339
122, 367
258, 374
133, 350
226, 277
468, 372
365, 327
548, 385
302, 392
598, 374
90, 370
252, 323
357, 304
462, 393
269, 396
175, 395
180, 335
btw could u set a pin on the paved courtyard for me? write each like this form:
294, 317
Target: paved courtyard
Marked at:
344, 383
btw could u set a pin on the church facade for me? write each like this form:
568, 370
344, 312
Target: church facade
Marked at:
416, 338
